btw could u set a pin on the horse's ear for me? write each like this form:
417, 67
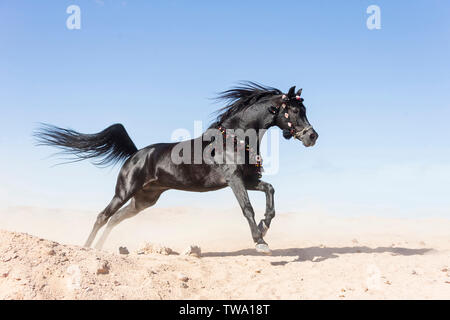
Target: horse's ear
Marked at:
299, 92
287, 134
291, 92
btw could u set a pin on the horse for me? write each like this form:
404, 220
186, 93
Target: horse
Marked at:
147, 173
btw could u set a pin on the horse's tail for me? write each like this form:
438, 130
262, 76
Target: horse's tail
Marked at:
111, 145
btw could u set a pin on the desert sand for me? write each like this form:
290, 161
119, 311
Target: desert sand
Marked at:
314, 256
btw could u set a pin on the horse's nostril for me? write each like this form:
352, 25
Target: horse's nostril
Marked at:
313, 136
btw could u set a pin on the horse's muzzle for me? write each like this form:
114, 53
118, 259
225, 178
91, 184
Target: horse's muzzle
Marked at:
308, 137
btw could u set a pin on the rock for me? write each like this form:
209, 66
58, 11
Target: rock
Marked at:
123, 250
183, 277
9, 258
152, 248
193, 250
414, 272
444, 270
52, 244
315, 259
103, 267
184, 285
51, 252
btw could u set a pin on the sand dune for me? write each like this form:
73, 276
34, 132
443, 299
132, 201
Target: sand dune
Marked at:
314, 257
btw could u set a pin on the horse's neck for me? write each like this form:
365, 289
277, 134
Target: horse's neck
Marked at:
259, 121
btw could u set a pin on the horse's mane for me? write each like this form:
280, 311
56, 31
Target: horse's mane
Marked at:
241, 97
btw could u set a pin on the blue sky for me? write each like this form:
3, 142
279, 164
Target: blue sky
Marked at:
378, 98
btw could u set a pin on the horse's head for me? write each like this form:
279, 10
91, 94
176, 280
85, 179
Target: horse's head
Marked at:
292, 119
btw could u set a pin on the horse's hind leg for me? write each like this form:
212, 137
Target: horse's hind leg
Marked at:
129, 181
115, 204
141, 201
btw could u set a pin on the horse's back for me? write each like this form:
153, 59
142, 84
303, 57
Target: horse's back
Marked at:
156, 165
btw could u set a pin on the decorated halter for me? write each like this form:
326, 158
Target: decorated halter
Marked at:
279, 108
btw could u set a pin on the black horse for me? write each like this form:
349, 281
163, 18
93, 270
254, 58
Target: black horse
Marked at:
148, 172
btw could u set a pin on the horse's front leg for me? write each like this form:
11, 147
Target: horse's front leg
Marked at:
240, 191
268, 189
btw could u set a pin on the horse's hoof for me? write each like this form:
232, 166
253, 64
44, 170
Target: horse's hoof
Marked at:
263, 227
263, 248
